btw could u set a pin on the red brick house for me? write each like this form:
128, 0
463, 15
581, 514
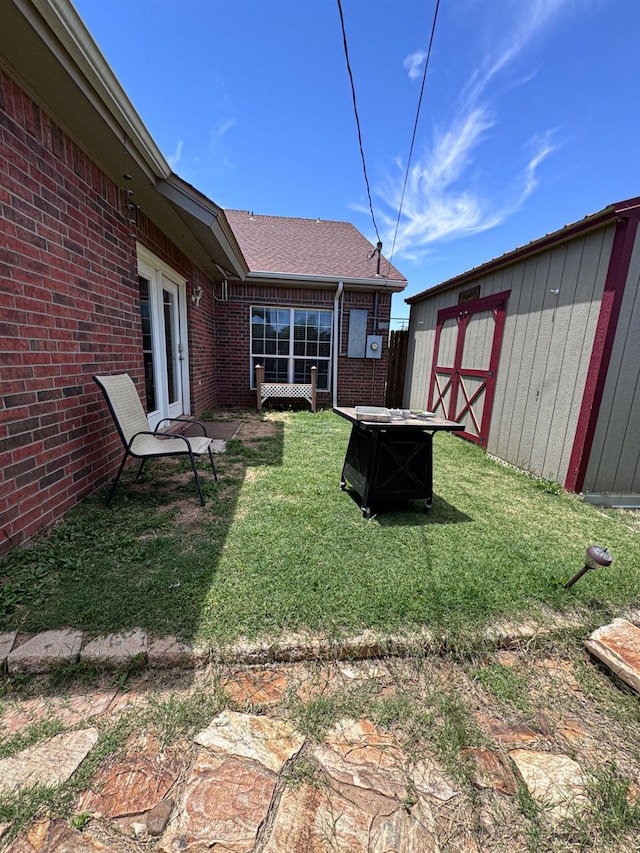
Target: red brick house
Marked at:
109, 262
317, 293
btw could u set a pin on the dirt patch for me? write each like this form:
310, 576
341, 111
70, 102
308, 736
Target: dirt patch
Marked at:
256, 428
218, 430
168, 473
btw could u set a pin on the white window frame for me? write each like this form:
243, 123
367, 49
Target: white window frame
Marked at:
291, 358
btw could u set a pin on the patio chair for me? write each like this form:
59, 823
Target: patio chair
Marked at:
138, 440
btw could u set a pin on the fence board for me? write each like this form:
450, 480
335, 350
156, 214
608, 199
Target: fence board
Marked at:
398, 342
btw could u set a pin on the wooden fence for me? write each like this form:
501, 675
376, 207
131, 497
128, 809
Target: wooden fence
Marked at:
395, 372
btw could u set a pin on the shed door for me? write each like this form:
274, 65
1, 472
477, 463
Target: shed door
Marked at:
465, 363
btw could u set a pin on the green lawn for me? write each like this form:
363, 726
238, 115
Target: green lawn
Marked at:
280, 547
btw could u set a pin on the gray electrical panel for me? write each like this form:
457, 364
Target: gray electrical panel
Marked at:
357, 344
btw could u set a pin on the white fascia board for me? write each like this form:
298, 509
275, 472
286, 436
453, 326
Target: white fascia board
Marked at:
376, 283
196, 205
103, 87
207, 213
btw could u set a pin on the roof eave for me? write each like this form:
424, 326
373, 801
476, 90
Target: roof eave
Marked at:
208, 223
72, 47
380, 283
609, 215
46, 47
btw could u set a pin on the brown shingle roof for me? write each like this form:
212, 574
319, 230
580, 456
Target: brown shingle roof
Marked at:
308, 247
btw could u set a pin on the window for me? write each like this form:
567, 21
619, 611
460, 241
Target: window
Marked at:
289, 342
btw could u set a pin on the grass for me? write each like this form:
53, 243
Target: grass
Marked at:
614, 813
21, 807
506, 685
280, 548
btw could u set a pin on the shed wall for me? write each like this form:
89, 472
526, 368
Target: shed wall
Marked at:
545, 352
613, 472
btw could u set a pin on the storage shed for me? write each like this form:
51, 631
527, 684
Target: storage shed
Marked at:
538, 353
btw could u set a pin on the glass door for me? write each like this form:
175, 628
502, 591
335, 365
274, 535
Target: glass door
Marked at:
173, 349
163, 325
144, 286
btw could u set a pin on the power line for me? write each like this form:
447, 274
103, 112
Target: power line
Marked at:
355, 110
415, 125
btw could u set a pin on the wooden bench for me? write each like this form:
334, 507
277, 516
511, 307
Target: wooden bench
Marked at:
289, 390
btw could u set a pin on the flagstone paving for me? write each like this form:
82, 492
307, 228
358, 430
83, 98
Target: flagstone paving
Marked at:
410, 754
618, 646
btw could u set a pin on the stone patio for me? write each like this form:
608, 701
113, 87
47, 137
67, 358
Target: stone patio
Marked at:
250, 781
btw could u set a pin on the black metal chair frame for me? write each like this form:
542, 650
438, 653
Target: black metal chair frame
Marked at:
188, 451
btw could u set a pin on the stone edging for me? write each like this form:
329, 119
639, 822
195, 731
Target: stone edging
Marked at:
39, 653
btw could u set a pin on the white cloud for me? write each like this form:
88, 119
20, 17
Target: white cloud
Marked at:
216, 134
542, 145
176, 157
534, 16
443, 196
414, 63
220, 130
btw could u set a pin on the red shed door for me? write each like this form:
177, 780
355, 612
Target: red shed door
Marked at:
466, 353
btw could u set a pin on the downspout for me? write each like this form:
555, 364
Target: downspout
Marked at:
336, 341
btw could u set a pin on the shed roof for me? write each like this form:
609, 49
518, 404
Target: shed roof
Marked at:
287, 247
629, 208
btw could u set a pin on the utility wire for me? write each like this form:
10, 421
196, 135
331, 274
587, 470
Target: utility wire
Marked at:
355, 110
415, 125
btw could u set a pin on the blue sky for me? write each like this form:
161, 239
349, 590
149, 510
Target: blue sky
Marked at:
530, 117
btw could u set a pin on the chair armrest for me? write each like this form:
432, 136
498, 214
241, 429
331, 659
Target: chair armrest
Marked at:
183, 421
158, 435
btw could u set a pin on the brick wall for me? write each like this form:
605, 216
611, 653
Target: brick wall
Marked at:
360, 381
68, 309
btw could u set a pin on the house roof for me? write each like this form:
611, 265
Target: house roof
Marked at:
629, 208
289, 248
46, 48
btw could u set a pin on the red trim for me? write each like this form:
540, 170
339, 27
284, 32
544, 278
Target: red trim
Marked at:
623, 242
496, 303
500, 311
462, 321
485, 303
432, 381
610, 214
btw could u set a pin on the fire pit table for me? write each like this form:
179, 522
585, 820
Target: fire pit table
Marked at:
390, 454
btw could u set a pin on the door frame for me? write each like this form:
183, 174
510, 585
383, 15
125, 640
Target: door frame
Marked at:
161, 276
454, 375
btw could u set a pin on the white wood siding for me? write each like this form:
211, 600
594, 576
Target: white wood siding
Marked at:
614, 462
478, 340
545, 349
422, 328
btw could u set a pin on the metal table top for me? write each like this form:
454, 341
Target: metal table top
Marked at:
424, 422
